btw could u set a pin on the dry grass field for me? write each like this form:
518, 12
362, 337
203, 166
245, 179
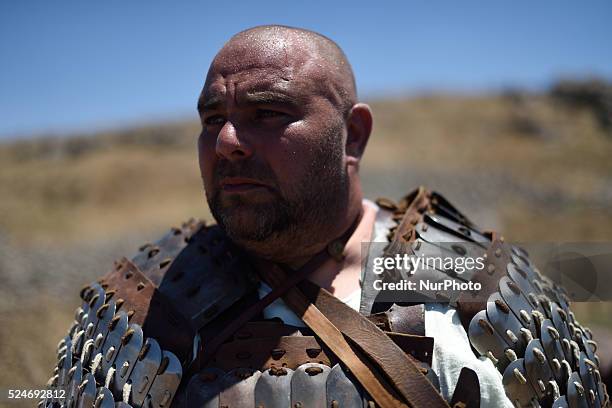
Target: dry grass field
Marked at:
528, 165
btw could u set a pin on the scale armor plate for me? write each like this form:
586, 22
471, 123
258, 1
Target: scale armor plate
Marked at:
525, 327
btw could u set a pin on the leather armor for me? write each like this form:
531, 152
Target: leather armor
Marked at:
138, 335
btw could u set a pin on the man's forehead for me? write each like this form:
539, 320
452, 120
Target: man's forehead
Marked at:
252, 78
294, 63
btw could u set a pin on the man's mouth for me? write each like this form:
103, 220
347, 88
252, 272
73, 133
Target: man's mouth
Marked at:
241, 185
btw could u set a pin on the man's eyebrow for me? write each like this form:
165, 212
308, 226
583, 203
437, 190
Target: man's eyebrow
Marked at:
208, 104
269, 97
252, 98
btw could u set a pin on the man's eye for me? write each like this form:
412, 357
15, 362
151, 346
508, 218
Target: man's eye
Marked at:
215, 120
267, 113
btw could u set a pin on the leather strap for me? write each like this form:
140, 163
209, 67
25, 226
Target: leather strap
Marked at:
210, 347
382, 393
330, 318
406, 377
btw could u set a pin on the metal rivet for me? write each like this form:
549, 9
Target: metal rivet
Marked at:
101, 310
459, 249
124, 369
513, 287
93, 300
127, 336
98, 340
143, 351
113, 322
593, 345
98, 401
510, 354
519, 376
313, 370
579, 388
501, 305
539, 355
313, 352
165, 398
492, 357
143, 387
526, 334
555, 389
525, 316
277, 371
486, 326
109, 353
163, 366
556, 365
153, 252
541, 385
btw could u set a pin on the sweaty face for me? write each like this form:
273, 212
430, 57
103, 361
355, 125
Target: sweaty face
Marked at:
271, 150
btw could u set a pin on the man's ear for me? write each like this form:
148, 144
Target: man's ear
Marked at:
359, 127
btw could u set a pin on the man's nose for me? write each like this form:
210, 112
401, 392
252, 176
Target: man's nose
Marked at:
230, 146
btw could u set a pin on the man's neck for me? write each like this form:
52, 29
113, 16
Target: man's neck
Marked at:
342, 278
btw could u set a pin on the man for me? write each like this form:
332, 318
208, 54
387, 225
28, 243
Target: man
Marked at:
272, 307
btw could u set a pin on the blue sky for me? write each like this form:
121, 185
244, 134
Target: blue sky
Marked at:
74, 66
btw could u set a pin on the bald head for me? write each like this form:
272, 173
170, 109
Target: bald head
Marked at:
298, 54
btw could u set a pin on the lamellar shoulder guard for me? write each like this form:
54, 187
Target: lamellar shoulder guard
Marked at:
136, 330
523, 324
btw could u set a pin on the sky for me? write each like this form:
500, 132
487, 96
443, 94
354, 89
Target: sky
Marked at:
81, 66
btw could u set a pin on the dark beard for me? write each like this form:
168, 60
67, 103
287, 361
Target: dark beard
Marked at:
310, 205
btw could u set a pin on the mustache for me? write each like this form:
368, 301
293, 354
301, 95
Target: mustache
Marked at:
246, 169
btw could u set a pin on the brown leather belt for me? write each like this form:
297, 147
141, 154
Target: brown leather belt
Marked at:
385, 371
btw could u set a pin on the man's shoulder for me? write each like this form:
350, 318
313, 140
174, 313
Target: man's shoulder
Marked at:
519, 319
174, 286
143, 316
